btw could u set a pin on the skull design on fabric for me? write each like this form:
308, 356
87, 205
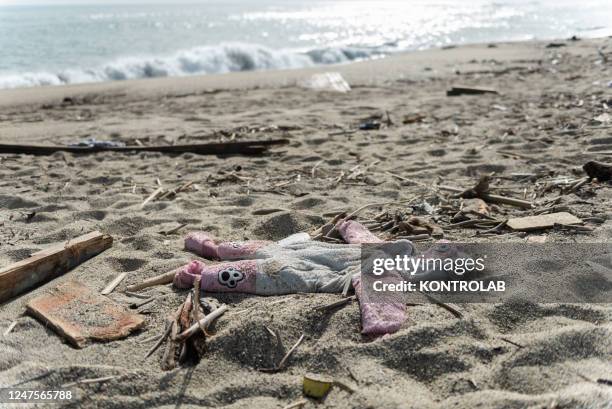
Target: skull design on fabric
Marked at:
230, 277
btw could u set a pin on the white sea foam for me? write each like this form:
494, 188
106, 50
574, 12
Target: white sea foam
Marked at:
200, 60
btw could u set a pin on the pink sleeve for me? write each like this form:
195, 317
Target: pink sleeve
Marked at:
356, 233
378, 318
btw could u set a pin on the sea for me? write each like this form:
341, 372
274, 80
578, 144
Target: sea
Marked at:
95, 41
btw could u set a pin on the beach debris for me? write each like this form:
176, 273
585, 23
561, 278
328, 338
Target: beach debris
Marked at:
555, 45
509, 341
317, 386
336, 304
598, 170
481, 191
603, 118
542, 221
297, 404
217, 148
113, 284
81, 315
466, 90
203, 323
281, 365
10, 328
180, 331
152, 196
48, 264
401, 225
413, 118
370, 125
327, 81
89, 381
239, 271
161, 279
161, 193
173, 230
472, 207
94, 143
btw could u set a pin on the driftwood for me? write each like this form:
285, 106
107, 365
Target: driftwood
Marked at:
487, 197
219, 148
50, 263
465, 90
161, 279
204, 323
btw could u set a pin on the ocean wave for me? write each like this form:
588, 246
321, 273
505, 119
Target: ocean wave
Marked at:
200, 60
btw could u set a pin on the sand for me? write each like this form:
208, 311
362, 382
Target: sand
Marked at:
549, 97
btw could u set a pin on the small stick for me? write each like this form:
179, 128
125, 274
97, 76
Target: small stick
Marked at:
407, 179
169, 326
88, 381
290, 352
196, 307
161, 279
152, 338
417, 237
173, 230
136, 295
160, 341
205, 322
313, 172
493, 198
113, 284
147, 301
152, 197
341, 133
447, 307
296, 405
577, 185
10, 328
513, 343
142, 303
494, 229
283, 361
344, 386
335, 304
518, 155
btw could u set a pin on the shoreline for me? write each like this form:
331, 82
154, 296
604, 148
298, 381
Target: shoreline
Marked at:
397, 66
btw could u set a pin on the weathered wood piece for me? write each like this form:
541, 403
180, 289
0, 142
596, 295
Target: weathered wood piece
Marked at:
81, 315
113, 284
466, 90
543, 221
220, 148
161, 279
50, 263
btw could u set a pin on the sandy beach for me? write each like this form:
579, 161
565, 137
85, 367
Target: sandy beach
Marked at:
539, 128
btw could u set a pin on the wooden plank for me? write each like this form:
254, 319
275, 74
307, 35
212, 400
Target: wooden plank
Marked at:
465, 90
50, 263
81, 315
220, 148
543, 221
